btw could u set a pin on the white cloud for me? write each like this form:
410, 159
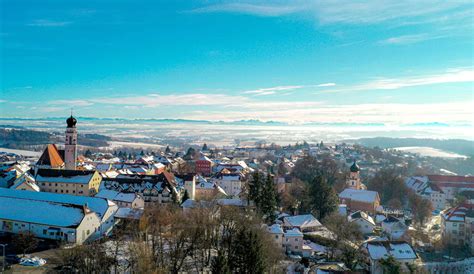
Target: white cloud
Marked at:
407, 39
449, 76
375, 11
153, 100
48, 23
272, 90
269, 10
71, 103
342, 11
326, 85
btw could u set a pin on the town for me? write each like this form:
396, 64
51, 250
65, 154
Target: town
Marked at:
300, 208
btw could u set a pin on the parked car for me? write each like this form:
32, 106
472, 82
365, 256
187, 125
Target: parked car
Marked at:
33, 261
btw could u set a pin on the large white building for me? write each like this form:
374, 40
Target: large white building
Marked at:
230, 182
440, 189
62, 217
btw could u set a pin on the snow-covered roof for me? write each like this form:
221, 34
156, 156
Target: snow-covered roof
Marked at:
27, 179
398, 249
367, 196
116, 196
129, 213
40, 212
302, 221
316, 247
361, 215
275, 229
231, 202
98, 205
295, 232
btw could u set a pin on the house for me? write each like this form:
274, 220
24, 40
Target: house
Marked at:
131, 200
203, 166
358, 199
457, 225
329, 268
231, 181
159, 188
74, 182
401, 251
208, 189
25, 182
304, 223
293, 241
277, 234
440, 189
363, 220
394, 227
69, 218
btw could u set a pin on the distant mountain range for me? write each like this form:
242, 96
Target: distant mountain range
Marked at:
236, 122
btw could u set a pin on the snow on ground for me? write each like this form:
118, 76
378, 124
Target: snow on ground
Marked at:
430, 152
26, 153
116, 144
464, 266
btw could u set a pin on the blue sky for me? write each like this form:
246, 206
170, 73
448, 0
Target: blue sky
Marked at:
393, 62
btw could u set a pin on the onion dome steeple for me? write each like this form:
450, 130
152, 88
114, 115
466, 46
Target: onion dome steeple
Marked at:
71, 121
355, 167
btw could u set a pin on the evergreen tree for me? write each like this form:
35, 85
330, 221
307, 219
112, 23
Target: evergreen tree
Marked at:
142, 153
130, 157
204, 147
115, 153
88, 153
255, 187
246, 252
120, 154
268, 200
167, 150
323, 198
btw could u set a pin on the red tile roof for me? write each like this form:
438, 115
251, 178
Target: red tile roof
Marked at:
51, 157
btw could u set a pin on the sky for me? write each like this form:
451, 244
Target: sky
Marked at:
342, 61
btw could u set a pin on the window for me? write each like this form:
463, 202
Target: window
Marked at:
44, 232
276, 236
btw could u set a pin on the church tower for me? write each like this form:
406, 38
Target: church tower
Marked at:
354, 177
70, 147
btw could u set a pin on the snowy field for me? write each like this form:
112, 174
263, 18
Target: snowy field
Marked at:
25, 153
430, 152
223, 134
